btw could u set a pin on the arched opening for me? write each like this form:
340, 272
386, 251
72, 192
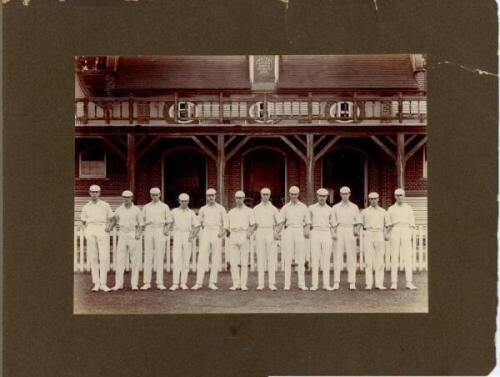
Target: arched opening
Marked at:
264, 167
345, 166
184, 170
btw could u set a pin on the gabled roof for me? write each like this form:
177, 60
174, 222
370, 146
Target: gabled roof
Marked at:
346, 72
182, 72
155, 74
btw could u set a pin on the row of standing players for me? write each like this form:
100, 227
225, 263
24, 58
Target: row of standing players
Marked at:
293, 224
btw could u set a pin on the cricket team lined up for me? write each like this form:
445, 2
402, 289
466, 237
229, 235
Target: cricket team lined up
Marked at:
293, 224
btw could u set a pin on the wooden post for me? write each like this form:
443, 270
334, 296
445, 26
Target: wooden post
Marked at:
400, 161
310, 167
221, 164
130, 110
131, 161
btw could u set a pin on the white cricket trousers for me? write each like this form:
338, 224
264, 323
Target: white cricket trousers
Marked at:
98, 252
127, 248
181, 254
401, 245
266, 254
154, 245
209, 243
239, 246
374, 257
345, 243
294, 246
321, 252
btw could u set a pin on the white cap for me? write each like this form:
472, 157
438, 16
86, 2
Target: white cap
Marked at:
183, 196
399, 191
372, 195
127, 194
94, 188
322, 191
211, 191
265, 190
239, 194
294, 190
154, 190
345, 190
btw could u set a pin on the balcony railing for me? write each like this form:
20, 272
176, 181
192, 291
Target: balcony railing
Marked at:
260, 109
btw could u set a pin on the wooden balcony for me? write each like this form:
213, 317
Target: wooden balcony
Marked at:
256, 109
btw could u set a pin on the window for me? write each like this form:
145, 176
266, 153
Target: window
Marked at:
424, 162
93, 162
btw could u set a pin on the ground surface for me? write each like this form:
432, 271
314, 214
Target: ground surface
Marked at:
252, 301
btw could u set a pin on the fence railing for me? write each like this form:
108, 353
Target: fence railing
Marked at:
82, 263
265, 108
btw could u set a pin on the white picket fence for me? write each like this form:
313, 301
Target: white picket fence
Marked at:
419, 254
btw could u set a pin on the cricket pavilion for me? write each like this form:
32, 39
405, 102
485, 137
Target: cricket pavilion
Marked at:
187, 123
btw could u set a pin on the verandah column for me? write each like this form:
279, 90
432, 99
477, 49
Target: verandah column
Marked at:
131, 161
400, 160
310, 162
221, 167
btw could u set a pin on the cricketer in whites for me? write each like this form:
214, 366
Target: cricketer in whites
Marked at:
293, 224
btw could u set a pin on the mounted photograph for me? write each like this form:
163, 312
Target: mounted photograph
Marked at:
250, 184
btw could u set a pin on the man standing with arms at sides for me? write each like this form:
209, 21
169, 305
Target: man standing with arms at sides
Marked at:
348, 223
267, 220
297, 225
156, 219
375, 223
240, 223
128, 219
402, 219
96, 219
322, 223
185, 230
212, 217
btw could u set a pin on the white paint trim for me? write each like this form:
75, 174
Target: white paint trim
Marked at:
276, 68
251, 67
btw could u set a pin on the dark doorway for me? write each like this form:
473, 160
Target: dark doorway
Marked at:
185, 171
264, 168
345, 167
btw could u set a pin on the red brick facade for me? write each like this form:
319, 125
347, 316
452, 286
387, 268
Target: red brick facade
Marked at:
381, 169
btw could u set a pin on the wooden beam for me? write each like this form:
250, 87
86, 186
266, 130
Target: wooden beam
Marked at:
320, 139
383, 147
121, 141
148, 147
327, 147
229, 141
250, 129
220, 163
237, 148
131, 161
209, 138
419, 145
400, 161
294, 148
139, 141
391, 140
410, 139
310, 167
204, 148
300, 140
114, 148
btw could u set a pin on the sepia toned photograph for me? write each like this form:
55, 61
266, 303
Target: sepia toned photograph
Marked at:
250, 184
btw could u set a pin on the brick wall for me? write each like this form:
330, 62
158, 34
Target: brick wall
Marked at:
381, 170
